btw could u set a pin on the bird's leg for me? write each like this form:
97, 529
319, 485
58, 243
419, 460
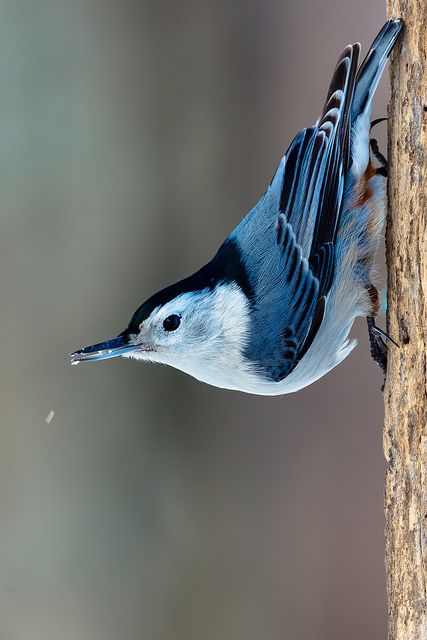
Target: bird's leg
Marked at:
379, 350
378, 338
383, 169
379, 341
378, 345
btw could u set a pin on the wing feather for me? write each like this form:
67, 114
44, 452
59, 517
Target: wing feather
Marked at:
310, 185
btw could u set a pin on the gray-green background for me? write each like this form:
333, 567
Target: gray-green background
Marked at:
133, 137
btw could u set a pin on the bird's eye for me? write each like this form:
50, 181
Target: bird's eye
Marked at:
171, 323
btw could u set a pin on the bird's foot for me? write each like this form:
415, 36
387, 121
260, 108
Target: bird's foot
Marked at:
383, 169
379, 341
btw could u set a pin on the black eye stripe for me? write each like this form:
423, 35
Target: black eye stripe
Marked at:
171, 323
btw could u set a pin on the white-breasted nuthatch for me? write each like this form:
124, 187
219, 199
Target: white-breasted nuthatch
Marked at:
271, 312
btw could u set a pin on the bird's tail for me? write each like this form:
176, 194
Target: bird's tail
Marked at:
369, 73
367, 79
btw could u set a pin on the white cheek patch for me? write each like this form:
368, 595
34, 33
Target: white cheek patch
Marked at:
217, 356
231, 312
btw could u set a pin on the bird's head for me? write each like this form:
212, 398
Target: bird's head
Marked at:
199, 325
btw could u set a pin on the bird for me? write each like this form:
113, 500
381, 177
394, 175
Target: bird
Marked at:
271, 312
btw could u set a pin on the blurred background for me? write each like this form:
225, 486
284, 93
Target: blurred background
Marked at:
134, 136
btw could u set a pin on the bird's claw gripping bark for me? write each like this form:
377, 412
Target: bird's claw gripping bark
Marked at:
379, 341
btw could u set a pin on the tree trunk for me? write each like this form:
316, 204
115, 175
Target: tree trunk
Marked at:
405, 396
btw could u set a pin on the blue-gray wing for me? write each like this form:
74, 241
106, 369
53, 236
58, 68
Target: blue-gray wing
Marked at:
311, 178
309, 187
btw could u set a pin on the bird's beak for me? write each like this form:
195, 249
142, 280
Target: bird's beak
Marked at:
103, 350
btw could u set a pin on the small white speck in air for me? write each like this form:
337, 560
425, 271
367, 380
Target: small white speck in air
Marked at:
50, 415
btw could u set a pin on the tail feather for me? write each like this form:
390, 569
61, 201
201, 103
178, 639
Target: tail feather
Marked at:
367, 79
370, 70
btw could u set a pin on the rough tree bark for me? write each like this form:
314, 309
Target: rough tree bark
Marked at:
405, 432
